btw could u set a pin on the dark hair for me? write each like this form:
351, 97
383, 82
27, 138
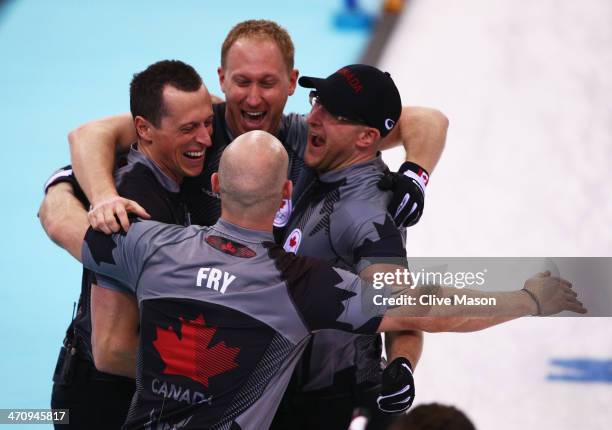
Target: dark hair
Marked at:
433, 416
146, 88
260, 29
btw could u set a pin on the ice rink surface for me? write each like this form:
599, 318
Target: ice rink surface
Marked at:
527, 87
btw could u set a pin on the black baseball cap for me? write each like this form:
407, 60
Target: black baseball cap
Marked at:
360, 93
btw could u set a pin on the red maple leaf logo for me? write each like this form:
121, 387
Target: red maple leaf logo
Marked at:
292, 242
190, 356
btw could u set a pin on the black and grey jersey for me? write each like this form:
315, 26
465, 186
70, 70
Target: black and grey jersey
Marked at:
342, 218
204, 204
224, 316
140, 180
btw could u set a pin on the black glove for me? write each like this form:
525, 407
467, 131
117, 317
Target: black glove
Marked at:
408, 186
397, 393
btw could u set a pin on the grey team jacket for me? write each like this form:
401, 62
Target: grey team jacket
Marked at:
342, 218
225, 314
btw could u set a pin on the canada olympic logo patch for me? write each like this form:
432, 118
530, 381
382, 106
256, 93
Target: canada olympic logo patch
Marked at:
283, 213
293, 241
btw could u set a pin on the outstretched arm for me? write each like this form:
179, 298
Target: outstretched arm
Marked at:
542, 295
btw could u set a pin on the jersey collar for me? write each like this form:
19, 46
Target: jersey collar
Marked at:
135, 156
354, 170
241, 233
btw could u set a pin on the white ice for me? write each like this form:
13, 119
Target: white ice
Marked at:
527, 87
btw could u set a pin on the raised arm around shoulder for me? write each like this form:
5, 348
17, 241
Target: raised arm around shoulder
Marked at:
64, 218
422, 133
93, 147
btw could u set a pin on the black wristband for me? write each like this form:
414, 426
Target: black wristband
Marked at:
535, 299
416, 172
398, 362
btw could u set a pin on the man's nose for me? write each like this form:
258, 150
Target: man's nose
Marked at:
254, 95
203, 137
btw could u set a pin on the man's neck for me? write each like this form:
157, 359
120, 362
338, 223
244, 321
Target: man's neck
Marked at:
146, 151
356, 159
245, 221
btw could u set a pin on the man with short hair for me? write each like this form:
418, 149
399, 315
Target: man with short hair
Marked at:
172, 114
225, 313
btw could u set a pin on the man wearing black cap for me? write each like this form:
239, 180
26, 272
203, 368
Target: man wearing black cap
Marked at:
342, 218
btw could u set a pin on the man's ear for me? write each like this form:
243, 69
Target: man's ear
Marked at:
287, 189
293, 77
143, 128
367, 138
221, 74
214, 182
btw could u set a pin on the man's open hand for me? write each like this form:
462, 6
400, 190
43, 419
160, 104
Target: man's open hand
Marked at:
553, 295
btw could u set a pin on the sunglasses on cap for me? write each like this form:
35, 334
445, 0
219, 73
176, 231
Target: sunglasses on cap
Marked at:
315, 101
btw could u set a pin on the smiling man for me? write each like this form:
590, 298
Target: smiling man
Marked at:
172, 115
256, 91
342, 218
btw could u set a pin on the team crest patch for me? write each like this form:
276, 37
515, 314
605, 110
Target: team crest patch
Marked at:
230, 247
293, 241
283, 213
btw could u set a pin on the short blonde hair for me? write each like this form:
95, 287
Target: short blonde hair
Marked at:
263, 29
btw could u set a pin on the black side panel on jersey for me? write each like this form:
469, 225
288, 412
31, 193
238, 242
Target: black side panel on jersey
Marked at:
202, 358
101, 246
312, 286
389, 244
139, 184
